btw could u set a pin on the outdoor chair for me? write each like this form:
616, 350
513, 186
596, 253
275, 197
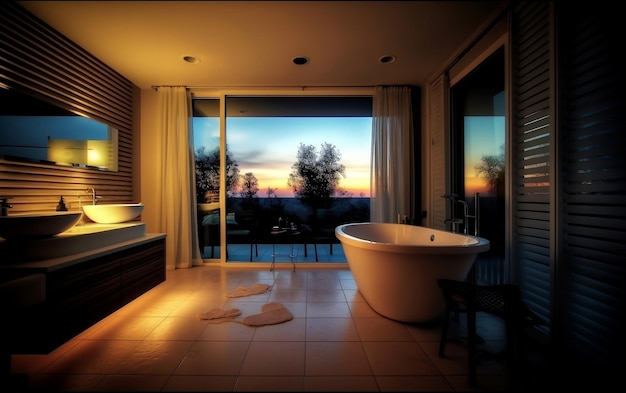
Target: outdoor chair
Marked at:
242, 227
323, 229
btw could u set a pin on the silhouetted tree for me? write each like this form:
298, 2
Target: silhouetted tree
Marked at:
492, 168
249, 186
315, 178
208, 172
249, 190
271, 192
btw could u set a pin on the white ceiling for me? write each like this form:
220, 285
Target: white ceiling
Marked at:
252, 43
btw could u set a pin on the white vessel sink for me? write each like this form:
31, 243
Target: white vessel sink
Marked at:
37, 225
113, 213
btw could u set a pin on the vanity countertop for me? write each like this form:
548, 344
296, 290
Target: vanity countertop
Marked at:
51, 264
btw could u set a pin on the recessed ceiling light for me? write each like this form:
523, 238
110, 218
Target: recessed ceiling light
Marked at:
191, 59
300, 60
387, 59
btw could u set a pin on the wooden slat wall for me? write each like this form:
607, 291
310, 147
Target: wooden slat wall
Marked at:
38, 60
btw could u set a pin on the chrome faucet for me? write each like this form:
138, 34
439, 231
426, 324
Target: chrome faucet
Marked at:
467, 217
453, 221
92, 191
465, 214
474, 216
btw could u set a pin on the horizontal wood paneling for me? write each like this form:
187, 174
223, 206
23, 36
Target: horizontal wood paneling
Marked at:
38, 60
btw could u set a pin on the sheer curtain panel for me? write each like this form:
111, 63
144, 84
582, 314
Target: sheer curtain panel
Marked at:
392, 179
176, 191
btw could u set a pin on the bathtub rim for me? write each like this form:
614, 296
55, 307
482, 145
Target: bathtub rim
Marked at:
479, 246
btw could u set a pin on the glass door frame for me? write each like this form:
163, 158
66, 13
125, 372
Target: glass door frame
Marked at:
486, 271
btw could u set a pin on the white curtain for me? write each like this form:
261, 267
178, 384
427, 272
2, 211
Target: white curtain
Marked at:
176, 191
392, 166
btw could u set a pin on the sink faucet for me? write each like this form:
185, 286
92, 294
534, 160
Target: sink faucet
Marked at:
92, 191
4, 206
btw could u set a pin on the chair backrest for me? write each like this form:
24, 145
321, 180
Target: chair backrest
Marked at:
325, 221
247, 219
503, 300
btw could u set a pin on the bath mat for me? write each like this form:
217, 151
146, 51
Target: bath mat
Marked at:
220, 314
271, 314
255, 289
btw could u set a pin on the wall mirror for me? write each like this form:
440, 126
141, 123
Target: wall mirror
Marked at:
34, 130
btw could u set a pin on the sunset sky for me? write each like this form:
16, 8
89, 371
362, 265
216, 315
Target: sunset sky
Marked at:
484, 136
268, 146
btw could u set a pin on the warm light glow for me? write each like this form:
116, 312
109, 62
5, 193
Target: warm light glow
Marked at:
97, 153
79, 152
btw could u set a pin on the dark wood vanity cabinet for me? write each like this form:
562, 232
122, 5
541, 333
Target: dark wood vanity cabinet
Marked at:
79, 295
141, 271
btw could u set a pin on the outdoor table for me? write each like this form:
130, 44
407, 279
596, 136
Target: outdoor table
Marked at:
284, 235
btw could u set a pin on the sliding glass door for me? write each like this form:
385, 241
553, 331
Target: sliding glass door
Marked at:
206, 131
478, 145
276, 150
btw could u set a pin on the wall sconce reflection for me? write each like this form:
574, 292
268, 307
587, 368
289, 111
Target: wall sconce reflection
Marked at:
94, 153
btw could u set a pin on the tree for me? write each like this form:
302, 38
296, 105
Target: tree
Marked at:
249, 190
271, 192
492, 167
315, 178
208, 172
249, 186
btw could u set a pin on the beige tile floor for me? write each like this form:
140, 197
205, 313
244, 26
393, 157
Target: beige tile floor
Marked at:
335, 342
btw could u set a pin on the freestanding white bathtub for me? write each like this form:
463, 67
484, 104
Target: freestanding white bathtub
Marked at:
396, 266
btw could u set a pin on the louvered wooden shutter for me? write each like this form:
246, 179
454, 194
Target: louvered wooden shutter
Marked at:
592, 173
569, 202
532, 134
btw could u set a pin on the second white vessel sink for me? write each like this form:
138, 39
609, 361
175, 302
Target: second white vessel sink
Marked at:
113, 213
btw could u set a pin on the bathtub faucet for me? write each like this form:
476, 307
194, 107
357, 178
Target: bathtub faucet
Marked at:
474, 216
465, 221
453, 221
465, 214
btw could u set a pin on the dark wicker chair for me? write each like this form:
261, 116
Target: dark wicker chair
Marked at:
243, 229
240, 228
503, 301
323, 229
